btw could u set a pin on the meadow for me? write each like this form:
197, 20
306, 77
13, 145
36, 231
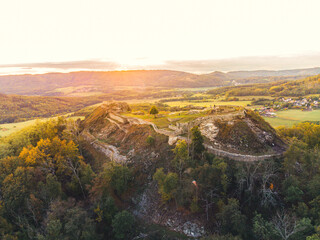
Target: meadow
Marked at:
8, 128
290, 117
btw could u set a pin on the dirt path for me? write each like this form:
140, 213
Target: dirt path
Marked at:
215, 151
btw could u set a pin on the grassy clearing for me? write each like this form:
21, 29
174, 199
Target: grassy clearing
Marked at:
9, 128
277, 122
163, 122
293, 116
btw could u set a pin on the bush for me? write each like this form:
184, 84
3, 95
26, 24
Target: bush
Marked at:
150, 140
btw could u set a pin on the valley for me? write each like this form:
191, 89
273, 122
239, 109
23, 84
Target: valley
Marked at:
159, 120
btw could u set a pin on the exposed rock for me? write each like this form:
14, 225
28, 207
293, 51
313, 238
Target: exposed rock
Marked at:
172, 140
116, 107
117, 118
173, 119
138, 113
209, 130
154, 155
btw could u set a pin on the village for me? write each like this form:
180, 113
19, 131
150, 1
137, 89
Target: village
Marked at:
305, 104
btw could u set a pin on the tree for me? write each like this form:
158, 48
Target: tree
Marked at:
181, 157
293, 194
54, 230
59, 158
67, 221
197, 142
117, 177
231, 219
263, 229
315, 236
154, 111
123, 225
167, 184
287, 225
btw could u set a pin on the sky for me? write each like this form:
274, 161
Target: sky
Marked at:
190, 35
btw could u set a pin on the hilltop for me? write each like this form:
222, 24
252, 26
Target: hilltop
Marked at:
229, 132
226, 129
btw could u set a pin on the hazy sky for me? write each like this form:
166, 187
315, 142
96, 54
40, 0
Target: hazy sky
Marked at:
149, 32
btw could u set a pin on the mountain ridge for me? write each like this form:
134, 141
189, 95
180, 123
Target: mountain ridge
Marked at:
56, 84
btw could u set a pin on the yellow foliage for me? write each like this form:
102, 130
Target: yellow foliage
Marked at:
99, 213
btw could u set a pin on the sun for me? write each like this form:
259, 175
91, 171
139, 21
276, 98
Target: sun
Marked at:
127, 63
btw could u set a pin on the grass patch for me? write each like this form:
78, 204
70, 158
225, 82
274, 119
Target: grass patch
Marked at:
8, 128
290, 117
163, 122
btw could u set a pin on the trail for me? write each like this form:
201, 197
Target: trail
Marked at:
211, 149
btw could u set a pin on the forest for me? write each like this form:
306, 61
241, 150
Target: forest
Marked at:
52, 188
19, 108
297, 88
14, 108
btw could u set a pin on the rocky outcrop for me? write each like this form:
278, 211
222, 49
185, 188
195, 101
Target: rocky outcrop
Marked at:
234, 135
124, 140
149, 207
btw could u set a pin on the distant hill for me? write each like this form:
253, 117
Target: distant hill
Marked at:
82, 83
281, 73
14, 108
297, 88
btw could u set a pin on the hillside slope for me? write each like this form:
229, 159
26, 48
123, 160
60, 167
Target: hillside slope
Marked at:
14, 108
301, 87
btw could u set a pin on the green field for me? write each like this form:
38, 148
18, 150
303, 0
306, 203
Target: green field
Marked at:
291, 117
8, 128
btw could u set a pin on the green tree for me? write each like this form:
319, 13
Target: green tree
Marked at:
181, 157
67, 221
197, 142
154, 111
231, 218
293, 194
117, 177
167, 184
123, 225
54, 230
263, 229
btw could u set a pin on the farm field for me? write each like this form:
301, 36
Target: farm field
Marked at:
291, 117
